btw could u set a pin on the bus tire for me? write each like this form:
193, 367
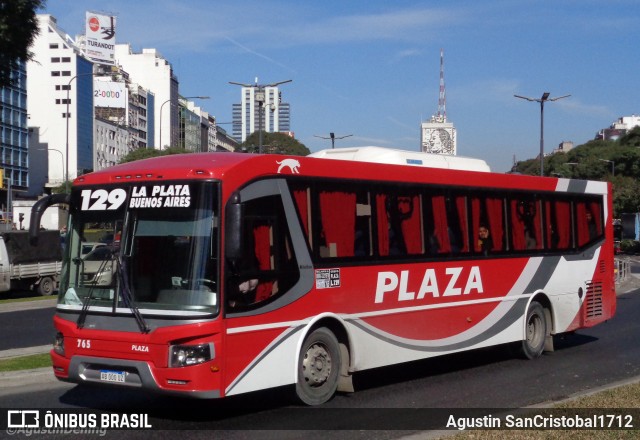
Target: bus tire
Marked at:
46, 286
318, 367
535, 331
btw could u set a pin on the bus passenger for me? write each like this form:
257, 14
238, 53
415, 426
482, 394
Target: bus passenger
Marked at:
485, 242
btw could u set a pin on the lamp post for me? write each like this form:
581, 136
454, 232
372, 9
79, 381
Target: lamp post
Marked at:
613, 165
160, 117
542, 100
333, 138
260, 98
57, 151
66, 176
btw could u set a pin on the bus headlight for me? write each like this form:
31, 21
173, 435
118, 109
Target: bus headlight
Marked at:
58, 344
186, 355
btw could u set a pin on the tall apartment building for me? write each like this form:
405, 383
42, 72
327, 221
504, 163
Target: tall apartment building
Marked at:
190, 122
14, 143
60, 101
247, 118
151, 71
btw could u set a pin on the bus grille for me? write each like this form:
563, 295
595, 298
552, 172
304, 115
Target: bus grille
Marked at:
593, 308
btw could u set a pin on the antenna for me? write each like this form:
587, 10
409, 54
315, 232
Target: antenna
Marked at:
442, 100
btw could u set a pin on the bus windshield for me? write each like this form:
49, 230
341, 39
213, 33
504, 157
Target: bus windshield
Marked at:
152, 247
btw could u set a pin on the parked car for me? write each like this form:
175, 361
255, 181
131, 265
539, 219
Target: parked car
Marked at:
87, 247
98, 267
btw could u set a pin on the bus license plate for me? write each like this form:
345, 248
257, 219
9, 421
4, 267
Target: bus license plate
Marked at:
112, 376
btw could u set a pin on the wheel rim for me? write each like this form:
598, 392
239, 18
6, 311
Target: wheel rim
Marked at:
534, 333
316, 365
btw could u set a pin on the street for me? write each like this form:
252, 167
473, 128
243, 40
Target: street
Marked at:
394, 400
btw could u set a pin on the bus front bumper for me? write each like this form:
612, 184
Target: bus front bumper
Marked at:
186, 381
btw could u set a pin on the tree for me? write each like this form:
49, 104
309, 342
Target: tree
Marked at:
274, 143
145, 153
614, 161
18, 30
65, 187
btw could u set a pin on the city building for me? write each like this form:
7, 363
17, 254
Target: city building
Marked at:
14, 143
199, 131
439, 135
190, 122
154, 73
619, 128
563, 147
260, 107
60, 102
223, 141
120, 117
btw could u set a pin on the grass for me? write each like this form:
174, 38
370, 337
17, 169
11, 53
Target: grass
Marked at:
26, 299
25, 362
626, 396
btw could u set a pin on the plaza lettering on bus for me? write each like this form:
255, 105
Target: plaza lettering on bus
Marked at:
161, 196
450, 281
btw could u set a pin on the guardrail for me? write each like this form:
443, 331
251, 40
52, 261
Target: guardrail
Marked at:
622, 269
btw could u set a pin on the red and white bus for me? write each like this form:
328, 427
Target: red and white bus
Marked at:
230, 273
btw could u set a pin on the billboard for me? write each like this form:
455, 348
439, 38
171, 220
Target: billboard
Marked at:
109, 94
100, 33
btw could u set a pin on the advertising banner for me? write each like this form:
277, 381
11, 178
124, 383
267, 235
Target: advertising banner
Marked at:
100, 32
109, 94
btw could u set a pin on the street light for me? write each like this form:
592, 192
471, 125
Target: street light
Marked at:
545, 97
613, 165
57, 151
333, 138
160, 117
260, 98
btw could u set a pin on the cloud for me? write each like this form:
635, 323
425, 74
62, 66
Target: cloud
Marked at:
260, 55
174, 24
407, 53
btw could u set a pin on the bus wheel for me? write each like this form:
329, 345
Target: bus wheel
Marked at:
535, 331
46, 286
318, 367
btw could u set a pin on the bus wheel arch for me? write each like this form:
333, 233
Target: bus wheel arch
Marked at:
323, 363
538, 328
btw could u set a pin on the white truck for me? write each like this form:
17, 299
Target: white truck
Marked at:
30, 265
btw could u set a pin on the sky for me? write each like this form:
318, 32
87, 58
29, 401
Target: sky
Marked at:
371, 69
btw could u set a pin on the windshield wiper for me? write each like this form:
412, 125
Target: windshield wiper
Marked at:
87, 299
127, 296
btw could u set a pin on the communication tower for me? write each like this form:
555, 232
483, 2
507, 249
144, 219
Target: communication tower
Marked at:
438, 135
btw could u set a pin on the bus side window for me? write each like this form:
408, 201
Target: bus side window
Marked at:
558, 219
589, 221
400, 224
440, 241
302, 198
338, 228
526, 231
363, 238
458, 222
488, 212
269, 267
